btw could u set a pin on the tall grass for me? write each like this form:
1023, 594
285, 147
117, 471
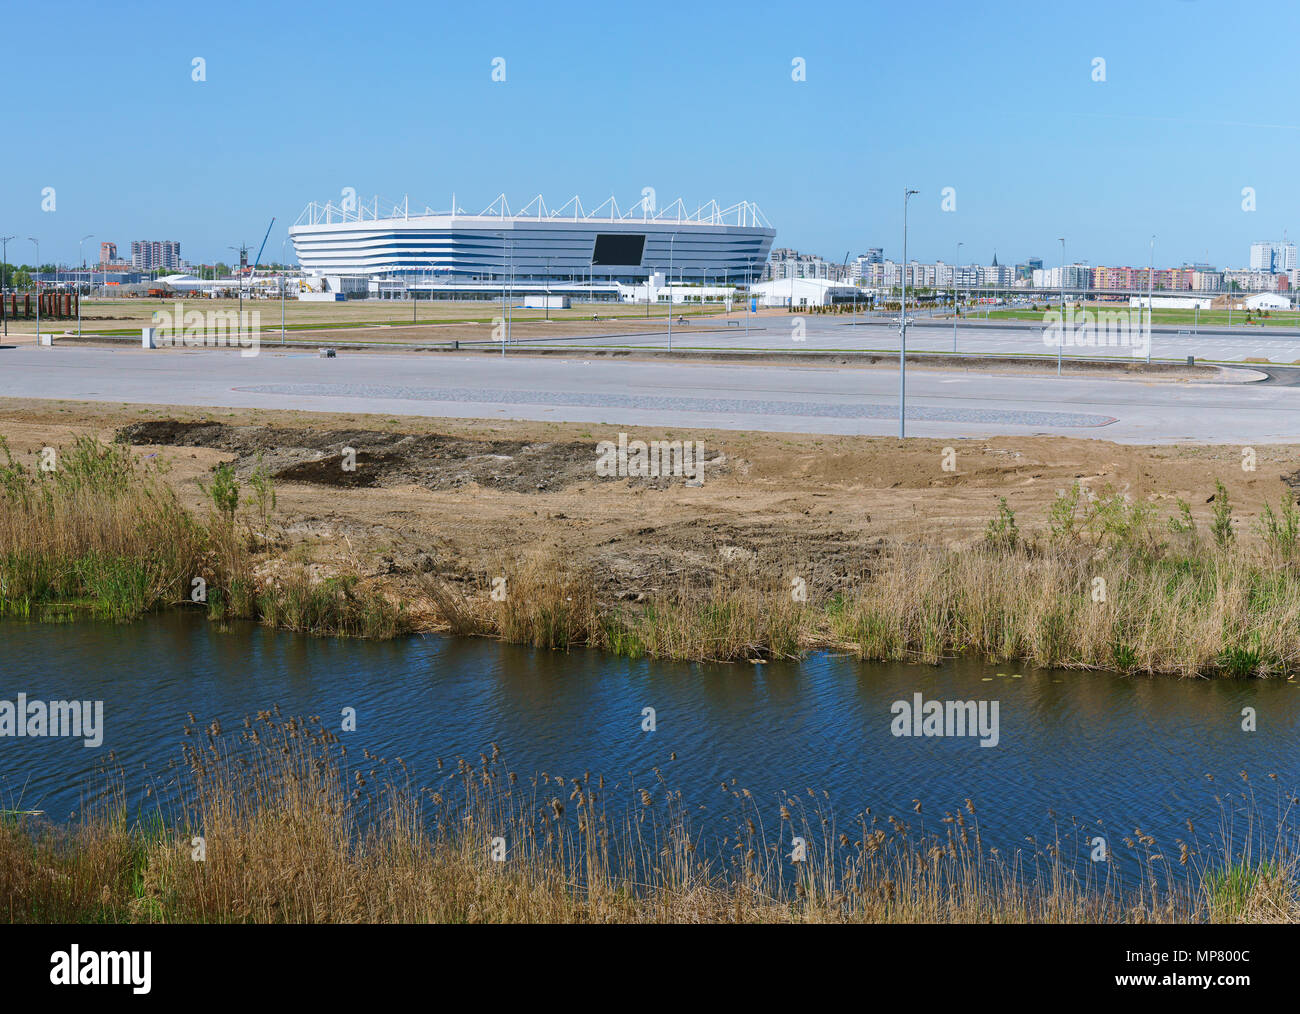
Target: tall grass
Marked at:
294, 830
1106, 584
97, 530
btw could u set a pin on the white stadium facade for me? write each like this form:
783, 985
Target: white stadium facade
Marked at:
357, 248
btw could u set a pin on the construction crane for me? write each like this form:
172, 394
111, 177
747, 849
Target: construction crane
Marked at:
258, 259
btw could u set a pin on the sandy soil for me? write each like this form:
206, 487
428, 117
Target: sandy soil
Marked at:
466, 499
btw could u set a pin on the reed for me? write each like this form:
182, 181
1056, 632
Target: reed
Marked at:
1104, 585
100, 532
296, 830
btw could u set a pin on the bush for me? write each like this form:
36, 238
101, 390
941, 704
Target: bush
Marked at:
1002, 532
1221, 527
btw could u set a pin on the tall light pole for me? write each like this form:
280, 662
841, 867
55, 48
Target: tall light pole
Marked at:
749, 284
1151, 306
282, 243
503, 292
506, 309
670, 291
239, 281
1060, 344
4, 264
38, 288
956, 261
81, 257
902, 316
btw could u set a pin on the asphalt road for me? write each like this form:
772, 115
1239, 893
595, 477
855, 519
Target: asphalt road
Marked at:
802, 332
804, 398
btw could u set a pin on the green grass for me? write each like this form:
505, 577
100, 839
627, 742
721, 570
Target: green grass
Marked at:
102, 534
1169, 316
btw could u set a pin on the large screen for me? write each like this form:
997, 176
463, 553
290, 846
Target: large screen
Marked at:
618, 248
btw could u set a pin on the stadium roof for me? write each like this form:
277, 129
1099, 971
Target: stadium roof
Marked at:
743, 213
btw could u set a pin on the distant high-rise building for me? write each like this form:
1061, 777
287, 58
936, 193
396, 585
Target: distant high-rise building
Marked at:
787, 263
1026, 270
107, 253
147, 254
1275, 258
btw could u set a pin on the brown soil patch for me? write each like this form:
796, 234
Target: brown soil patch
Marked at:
468, 499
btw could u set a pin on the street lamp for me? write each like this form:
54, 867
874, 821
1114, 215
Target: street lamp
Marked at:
38, 288
955, 262
506, 309
4, 262
81, 257
670, 291
282, 243
1060, 344
902, 316
239, 282
749, 274
1151, 306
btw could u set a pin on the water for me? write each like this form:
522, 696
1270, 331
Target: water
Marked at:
1128, 752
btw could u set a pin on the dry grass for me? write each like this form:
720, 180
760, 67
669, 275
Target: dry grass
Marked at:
297, 831
100, 531
1104, 586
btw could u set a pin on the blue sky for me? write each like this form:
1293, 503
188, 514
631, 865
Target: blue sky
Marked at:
994, 100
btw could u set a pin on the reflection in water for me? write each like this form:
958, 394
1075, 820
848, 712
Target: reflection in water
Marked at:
1128, 752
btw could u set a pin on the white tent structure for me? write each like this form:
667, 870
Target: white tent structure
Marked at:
799, 292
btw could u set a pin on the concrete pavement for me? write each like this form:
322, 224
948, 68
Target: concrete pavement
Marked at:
759, 396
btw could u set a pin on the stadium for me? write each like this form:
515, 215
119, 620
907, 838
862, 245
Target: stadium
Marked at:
606, 253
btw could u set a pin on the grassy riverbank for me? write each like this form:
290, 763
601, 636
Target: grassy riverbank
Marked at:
1100, 581
1107, 583
95, 530
278, 824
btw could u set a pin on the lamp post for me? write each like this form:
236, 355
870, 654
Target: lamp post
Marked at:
4, 263
282, 243
239, 283
502, 237
82, 258
955, 262
749, 281
1151, 306
505, 303
670, 291
902, 316
1060, 344
38, 288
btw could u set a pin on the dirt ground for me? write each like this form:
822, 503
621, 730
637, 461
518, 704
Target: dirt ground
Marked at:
436, 321
464, 499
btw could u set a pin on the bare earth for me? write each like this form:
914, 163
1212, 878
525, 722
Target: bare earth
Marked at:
467, 499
